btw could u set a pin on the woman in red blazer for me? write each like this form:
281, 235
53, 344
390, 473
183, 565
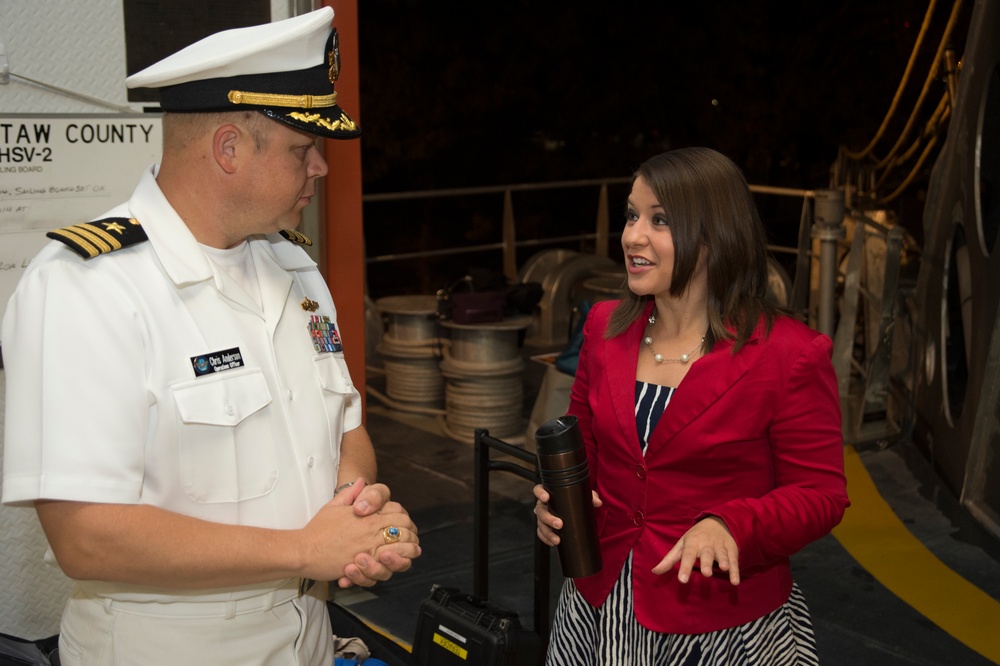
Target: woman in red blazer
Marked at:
713, 433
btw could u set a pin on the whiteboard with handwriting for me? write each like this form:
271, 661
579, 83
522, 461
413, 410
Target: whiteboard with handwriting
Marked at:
57, 170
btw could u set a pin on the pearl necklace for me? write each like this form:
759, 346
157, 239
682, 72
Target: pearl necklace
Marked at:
648, 341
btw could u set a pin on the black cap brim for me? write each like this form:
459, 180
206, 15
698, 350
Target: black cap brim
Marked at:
330, 122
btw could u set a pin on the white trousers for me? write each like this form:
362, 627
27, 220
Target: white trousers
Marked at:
96, 631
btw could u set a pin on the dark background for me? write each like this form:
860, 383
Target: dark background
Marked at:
154, 29
474, 94
457, 94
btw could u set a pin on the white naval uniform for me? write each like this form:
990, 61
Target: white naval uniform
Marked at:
104, 405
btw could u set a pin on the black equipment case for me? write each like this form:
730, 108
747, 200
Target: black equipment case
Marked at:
458, 629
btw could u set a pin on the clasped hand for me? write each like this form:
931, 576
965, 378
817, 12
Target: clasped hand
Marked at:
349, 529
708, 542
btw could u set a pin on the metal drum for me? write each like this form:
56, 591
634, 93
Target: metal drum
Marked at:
411, 352
483, 372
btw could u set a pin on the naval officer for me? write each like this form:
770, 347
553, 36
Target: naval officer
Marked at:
179, 412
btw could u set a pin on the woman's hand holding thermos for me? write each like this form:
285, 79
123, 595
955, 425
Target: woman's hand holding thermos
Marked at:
549, 524
569, 502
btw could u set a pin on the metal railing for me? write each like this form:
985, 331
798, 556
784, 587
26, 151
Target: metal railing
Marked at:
509, 241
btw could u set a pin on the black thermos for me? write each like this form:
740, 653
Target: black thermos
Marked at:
562, 464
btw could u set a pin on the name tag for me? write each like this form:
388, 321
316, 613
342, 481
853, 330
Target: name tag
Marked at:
217, 361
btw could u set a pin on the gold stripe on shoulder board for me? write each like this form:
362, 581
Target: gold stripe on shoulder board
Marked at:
90, 239
296, 237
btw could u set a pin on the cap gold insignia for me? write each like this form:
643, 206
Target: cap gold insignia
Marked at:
341, 123
334, 68
310, 306
334, 59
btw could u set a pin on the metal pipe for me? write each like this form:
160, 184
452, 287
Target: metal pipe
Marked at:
509, 239
603, 222
481, 517
828, 229
534, 242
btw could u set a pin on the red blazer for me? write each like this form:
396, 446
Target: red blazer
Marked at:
753, 438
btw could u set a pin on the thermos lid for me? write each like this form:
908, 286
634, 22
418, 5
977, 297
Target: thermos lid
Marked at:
558, 435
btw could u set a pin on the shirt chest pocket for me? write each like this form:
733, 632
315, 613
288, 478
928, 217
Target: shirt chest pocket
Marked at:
225, 448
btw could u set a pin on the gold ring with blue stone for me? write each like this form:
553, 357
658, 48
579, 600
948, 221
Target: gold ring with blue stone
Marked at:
390, 534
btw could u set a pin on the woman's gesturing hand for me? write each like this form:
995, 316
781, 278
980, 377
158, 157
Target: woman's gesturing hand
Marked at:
708, 542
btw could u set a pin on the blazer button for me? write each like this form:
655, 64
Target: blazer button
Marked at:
638, 518
640, 471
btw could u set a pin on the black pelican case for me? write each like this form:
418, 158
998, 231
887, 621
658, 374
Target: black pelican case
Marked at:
458, 629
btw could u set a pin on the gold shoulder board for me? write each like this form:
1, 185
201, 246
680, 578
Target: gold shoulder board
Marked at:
100, 236
296, 237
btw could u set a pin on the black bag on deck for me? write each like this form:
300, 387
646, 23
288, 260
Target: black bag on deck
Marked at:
456, 628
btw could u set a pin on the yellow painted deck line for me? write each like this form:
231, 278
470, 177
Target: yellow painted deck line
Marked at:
873, 534
385, 633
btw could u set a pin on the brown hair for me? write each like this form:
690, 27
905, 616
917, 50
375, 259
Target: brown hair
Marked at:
708, 204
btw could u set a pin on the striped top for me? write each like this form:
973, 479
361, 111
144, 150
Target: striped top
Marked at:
650, 401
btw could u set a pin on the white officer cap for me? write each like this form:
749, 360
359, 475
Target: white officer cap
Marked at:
285, 69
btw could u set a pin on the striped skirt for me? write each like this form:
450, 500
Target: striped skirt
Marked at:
610, 635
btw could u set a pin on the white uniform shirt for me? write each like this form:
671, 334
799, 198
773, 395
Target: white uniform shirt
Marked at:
104, 403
